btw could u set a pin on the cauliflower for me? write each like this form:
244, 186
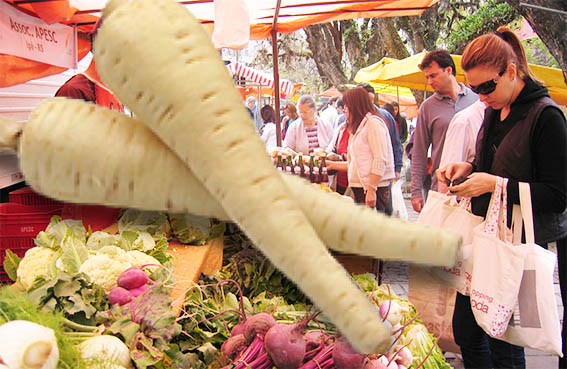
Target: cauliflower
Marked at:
137, 258
34, 264
104, 269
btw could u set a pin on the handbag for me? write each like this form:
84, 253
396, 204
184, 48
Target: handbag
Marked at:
535, 321
498, 266
445, 212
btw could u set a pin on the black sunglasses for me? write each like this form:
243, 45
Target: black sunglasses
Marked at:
488, 87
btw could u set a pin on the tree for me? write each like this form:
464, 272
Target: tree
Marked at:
550, 26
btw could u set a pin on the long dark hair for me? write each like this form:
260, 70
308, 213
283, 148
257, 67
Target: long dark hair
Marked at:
267, 113
359, 104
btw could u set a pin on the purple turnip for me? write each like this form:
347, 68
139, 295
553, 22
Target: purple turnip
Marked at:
376, 364
233, 346
258, 324
285, 345
345, 356
120, 296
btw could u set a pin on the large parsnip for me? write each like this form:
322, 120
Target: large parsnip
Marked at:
117, 161
159, 61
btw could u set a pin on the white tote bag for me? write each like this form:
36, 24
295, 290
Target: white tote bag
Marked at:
498, 266
535, 322
444, 211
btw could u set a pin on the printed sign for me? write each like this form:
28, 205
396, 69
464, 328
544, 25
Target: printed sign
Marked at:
31, 38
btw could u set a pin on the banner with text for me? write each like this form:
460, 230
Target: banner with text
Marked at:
31, 38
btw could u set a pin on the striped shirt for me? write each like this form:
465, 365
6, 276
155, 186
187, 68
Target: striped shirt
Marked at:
312, 137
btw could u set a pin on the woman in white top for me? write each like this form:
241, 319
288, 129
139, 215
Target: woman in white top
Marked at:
268, 131
370, 159
308, 132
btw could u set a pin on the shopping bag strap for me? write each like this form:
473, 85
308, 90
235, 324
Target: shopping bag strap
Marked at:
497, 209
522, 215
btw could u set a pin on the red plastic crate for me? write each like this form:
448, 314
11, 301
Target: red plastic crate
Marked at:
96, 216
27, 196
21, 220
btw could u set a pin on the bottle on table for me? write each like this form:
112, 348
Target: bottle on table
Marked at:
323, 172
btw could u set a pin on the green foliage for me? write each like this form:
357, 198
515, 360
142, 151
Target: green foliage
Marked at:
537, 53
488, 18
73, 295
11, 263
15, 305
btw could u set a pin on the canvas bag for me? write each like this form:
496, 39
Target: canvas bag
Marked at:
535, 322
498, 266
445, 212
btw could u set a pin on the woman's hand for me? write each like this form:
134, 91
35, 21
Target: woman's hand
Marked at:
453, 171
476, 184
371, 198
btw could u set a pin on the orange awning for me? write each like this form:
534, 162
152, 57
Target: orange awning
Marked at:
294, 15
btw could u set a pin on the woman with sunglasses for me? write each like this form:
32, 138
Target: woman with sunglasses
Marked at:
523, 138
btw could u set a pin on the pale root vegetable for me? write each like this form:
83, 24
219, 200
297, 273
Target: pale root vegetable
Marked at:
171, 76
98, 176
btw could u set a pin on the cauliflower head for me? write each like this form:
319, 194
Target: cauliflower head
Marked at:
137, 258
35, 264
104, 269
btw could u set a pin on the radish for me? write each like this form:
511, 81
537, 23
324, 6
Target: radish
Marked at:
376, 364
140, 290
391, 311
120, 296
132, 278
233, 346
285, 345
258, 324
403, 355
345, 357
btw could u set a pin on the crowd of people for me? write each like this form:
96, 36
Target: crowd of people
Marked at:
503, 124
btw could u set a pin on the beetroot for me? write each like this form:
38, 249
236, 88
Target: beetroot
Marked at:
232, 346
138, 291
345, 357
133, 277
285, 345
237, 329
120, 296
258, 324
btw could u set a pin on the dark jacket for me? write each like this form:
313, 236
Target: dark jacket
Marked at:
528, 146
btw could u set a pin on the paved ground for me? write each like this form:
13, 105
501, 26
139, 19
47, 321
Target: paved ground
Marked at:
396, 274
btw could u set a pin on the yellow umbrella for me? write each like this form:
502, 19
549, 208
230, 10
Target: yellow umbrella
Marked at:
406, 73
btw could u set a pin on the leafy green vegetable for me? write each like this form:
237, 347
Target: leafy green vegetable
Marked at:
196, 230
153, 222
11, 263
147, 325
256, 274
73, 295
58, 229
73, 253
15, 305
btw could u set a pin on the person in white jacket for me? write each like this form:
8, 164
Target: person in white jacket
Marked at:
308, 132
268, 131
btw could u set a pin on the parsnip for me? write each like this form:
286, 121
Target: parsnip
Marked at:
159, 61
76, 133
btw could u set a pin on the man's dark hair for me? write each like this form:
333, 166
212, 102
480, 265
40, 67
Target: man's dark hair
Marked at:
441, 57
340, 103
367, 87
